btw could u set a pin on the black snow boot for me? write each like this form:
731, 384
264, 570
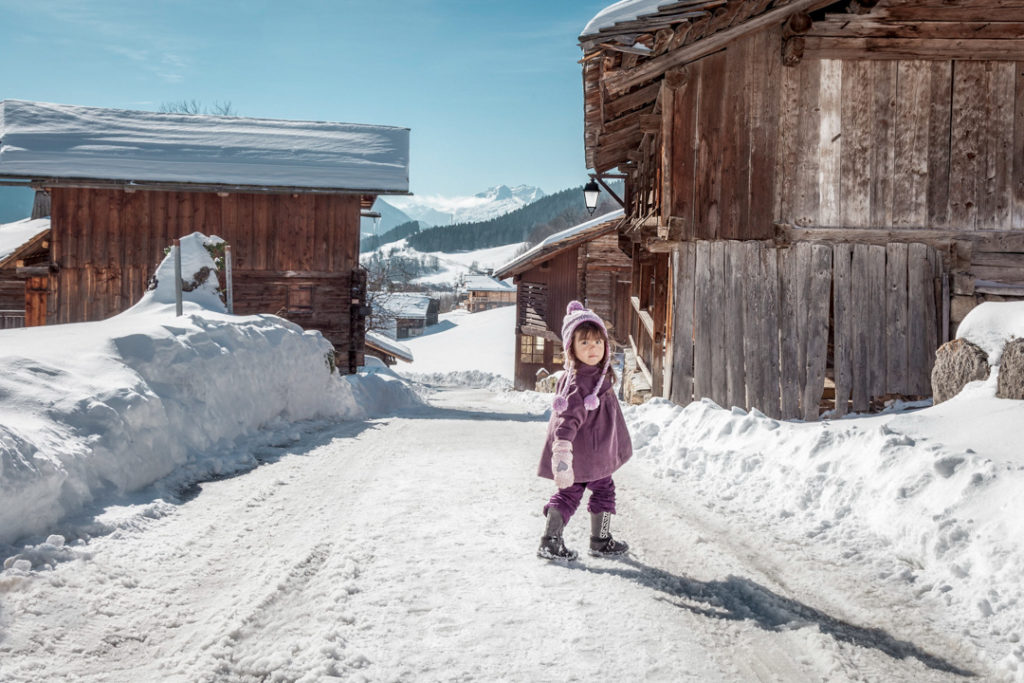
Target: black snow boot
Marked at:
601, 542
551, 545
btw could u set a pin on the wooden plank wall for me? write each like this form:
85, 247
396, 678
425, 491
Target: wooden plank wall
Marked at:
108, 242
751, 324
901, 144
723, 142
605, 269
555, 281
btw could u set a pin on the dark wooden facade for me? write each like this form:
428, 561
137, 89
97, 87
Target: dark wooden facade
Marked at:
588, 268
295, 255
817, 191
24, 281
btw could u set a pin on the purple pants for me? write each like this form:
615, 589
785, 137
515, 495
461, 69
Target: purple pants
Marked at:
602, 498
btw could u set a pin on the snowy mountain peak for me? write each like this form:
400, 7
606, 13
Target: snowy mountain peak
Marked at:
524, 193
441, 210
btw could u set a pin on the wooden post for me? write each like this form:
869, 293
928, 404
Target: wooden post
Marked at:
228, 281
177, 277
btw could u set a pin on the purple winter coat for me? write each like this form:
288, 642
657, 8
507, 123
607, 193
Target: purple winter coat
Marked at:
600, 440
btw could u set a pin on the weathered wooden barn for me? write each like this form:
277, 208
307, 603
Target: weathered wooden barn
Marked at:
286, 195
24, 246
816, 191
406, 314
583, 263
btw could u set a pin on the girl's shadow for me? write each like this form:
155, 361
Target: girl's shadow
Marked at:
740, 599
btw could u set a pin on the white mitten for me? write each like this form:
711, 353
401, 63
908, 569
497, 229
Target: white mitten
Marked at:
561, 463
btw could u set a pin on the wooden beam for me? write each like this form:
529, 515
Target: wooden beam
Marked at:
830, 47
622, 81
615, 107
845, 26
32, 271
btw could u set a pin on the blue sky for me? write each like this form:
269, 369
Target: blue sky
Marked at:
491, 90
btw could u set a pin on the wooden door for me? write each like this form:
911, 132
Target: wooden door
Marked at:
36, 290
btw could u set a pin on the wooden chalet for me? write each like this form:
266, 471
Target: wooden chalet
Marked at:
24, 246
816, 191
484, 292
286, 195
407, 314
583, 263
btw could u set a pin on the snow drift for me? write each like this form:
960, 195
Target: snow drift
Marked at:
91, 410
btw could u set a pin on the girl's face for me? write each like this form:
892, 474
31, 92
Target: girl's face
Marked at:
588, 349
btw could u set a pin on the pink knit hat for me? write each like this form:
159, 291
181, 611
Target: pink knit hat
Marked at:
575, 315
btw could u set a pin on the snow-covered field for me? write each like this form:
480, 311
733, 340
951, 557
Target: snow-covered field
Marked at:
452, 266
352, 547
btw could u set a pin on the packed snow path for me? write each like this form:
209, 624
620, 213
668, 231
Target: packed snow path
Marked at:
403, 550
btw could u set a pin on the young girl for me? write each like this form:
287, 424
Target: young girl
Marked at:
587, 438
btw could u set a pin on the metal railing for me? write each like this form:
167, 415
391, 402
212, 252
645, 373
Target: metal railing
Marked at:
11, 319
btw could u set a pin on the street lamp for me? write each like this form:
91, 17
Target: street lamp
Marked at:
590, 194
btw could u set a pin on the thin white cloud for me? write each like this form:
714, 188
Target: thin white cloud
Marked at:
111, 28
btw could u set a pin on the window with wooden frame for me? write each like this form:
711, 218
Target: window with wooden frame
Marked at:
531, 349
557, 354
300, 298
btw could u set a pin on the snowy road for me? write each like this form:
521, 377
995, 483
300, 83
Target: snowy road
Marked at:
403, 550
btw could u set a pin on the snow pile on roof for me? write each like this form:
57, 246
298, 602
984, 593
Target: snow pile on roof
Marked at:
92, 410
625, 10
13, 235
405, 305
385, 343
561, 236
991, 324
42, 140
485, 283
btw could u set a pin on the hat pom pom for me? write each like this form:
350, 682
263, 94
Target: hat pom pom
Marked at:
573, 306
560, 403
591, 402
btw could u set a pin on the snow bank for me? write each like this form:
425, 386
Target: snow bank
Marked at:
92, 410
915, 497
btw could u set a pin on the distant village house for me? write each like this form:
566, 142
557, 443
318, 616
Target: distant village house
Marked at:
404, 314
583, 262
484, 292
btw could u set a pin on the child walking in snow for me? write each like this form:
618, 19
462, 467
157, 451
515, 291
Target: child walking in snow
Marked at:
587, 438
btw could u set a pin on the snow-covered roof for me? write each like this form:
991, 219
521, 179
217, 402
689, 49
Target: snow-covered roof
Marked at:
60, 141
565, 238
388, 345
485, 283
13, 235
404, 305
626, 10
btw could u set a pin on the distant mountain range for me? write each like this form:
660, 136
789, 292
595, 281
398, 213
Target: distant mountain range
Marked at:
436, 210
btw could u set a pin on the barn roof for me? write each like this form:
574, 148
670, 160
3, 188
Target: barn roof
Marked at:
387, 345
59, 142
406, 305
20, 236
485, 283
561, 241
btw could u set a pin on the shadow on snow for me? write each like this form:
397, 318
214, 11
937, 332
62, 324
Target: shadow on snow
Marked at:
739, 599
